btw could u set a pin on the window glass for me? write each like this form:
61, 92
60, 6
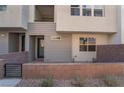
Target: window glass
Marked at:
91, 40
83, 40
86, 10
98, 6
75, 10
86, 6
83, 47
83, 44
3, 7
98, 10
87, 44
91, 48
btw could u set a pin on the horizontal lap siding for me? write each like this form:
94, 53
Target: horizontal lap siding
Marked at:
55, 50
3, 43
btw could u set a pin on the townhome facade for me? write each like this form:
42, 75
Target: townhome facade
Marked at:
60, 33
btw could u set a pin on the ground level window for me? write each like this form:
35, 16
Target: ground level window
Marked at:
87, 44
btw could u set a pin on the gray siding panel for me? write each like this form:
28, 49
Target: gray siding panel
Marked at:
32, 48
3, 43
13, 42
55, 50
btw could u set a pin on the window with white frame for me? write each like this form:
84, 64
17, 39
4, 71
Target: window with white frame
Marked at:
75, 10
3, 7
87, 44
87, 10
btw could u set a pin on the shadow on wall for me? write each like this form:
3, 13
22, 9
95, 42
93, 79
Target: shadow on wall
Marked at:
110, 53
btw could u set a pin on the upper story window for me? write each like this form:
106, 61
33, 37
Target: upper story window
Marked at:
75, 10
3, 7
88, 10
98, 10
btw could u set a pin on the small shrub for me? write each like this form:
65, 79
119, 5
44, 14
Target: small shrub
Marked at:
78, 82
47, 82
110, 81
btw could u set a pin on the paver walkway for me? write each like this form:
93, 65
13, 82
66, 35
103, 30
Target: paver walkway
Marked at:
9, 82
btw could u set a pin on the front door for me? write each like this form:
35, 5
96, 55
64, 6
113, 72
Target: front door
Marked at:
40, 49
23, 43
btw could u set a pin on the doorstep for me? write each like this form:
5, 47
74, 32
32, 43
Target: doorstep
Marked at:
9, 82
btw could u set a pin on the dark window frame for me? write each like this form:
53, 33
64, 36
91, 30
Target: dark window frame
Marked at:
75, 10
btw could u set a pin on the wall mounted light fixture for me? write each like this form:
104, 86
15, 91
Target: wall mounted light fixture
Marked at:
2, 35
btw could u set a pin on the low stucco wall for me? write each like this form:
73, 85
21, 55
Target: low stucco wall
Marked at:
2, 62
15, 57
110, 53
70, 70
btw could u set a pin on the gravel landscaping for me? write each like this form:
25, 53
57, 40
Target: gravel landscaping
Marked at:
89, 82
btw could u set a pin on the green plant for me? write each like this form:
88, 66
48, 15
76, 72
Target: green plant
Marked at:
48, 82
110, 81
78, 81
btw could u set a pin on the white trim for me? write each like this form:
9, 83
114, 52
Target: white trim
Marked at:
92, 11
81, 11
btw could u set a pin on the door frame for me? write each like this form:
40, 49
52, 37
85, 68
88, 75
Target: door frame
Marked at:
20, 42
36, 46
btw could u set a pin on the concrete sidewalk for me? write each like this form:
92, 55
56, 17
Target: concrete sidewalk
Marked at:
9, 82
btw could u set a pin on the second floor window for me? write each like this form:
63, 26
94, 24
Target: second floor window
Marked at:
75, 10
87, 10
98, 10
3, 7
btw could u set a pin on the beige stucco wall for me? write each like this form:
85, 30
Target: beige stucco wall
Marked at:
14, 16
101, 39
31, 13
66, 22
120, 29
118, 38
25, 9
10, 17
